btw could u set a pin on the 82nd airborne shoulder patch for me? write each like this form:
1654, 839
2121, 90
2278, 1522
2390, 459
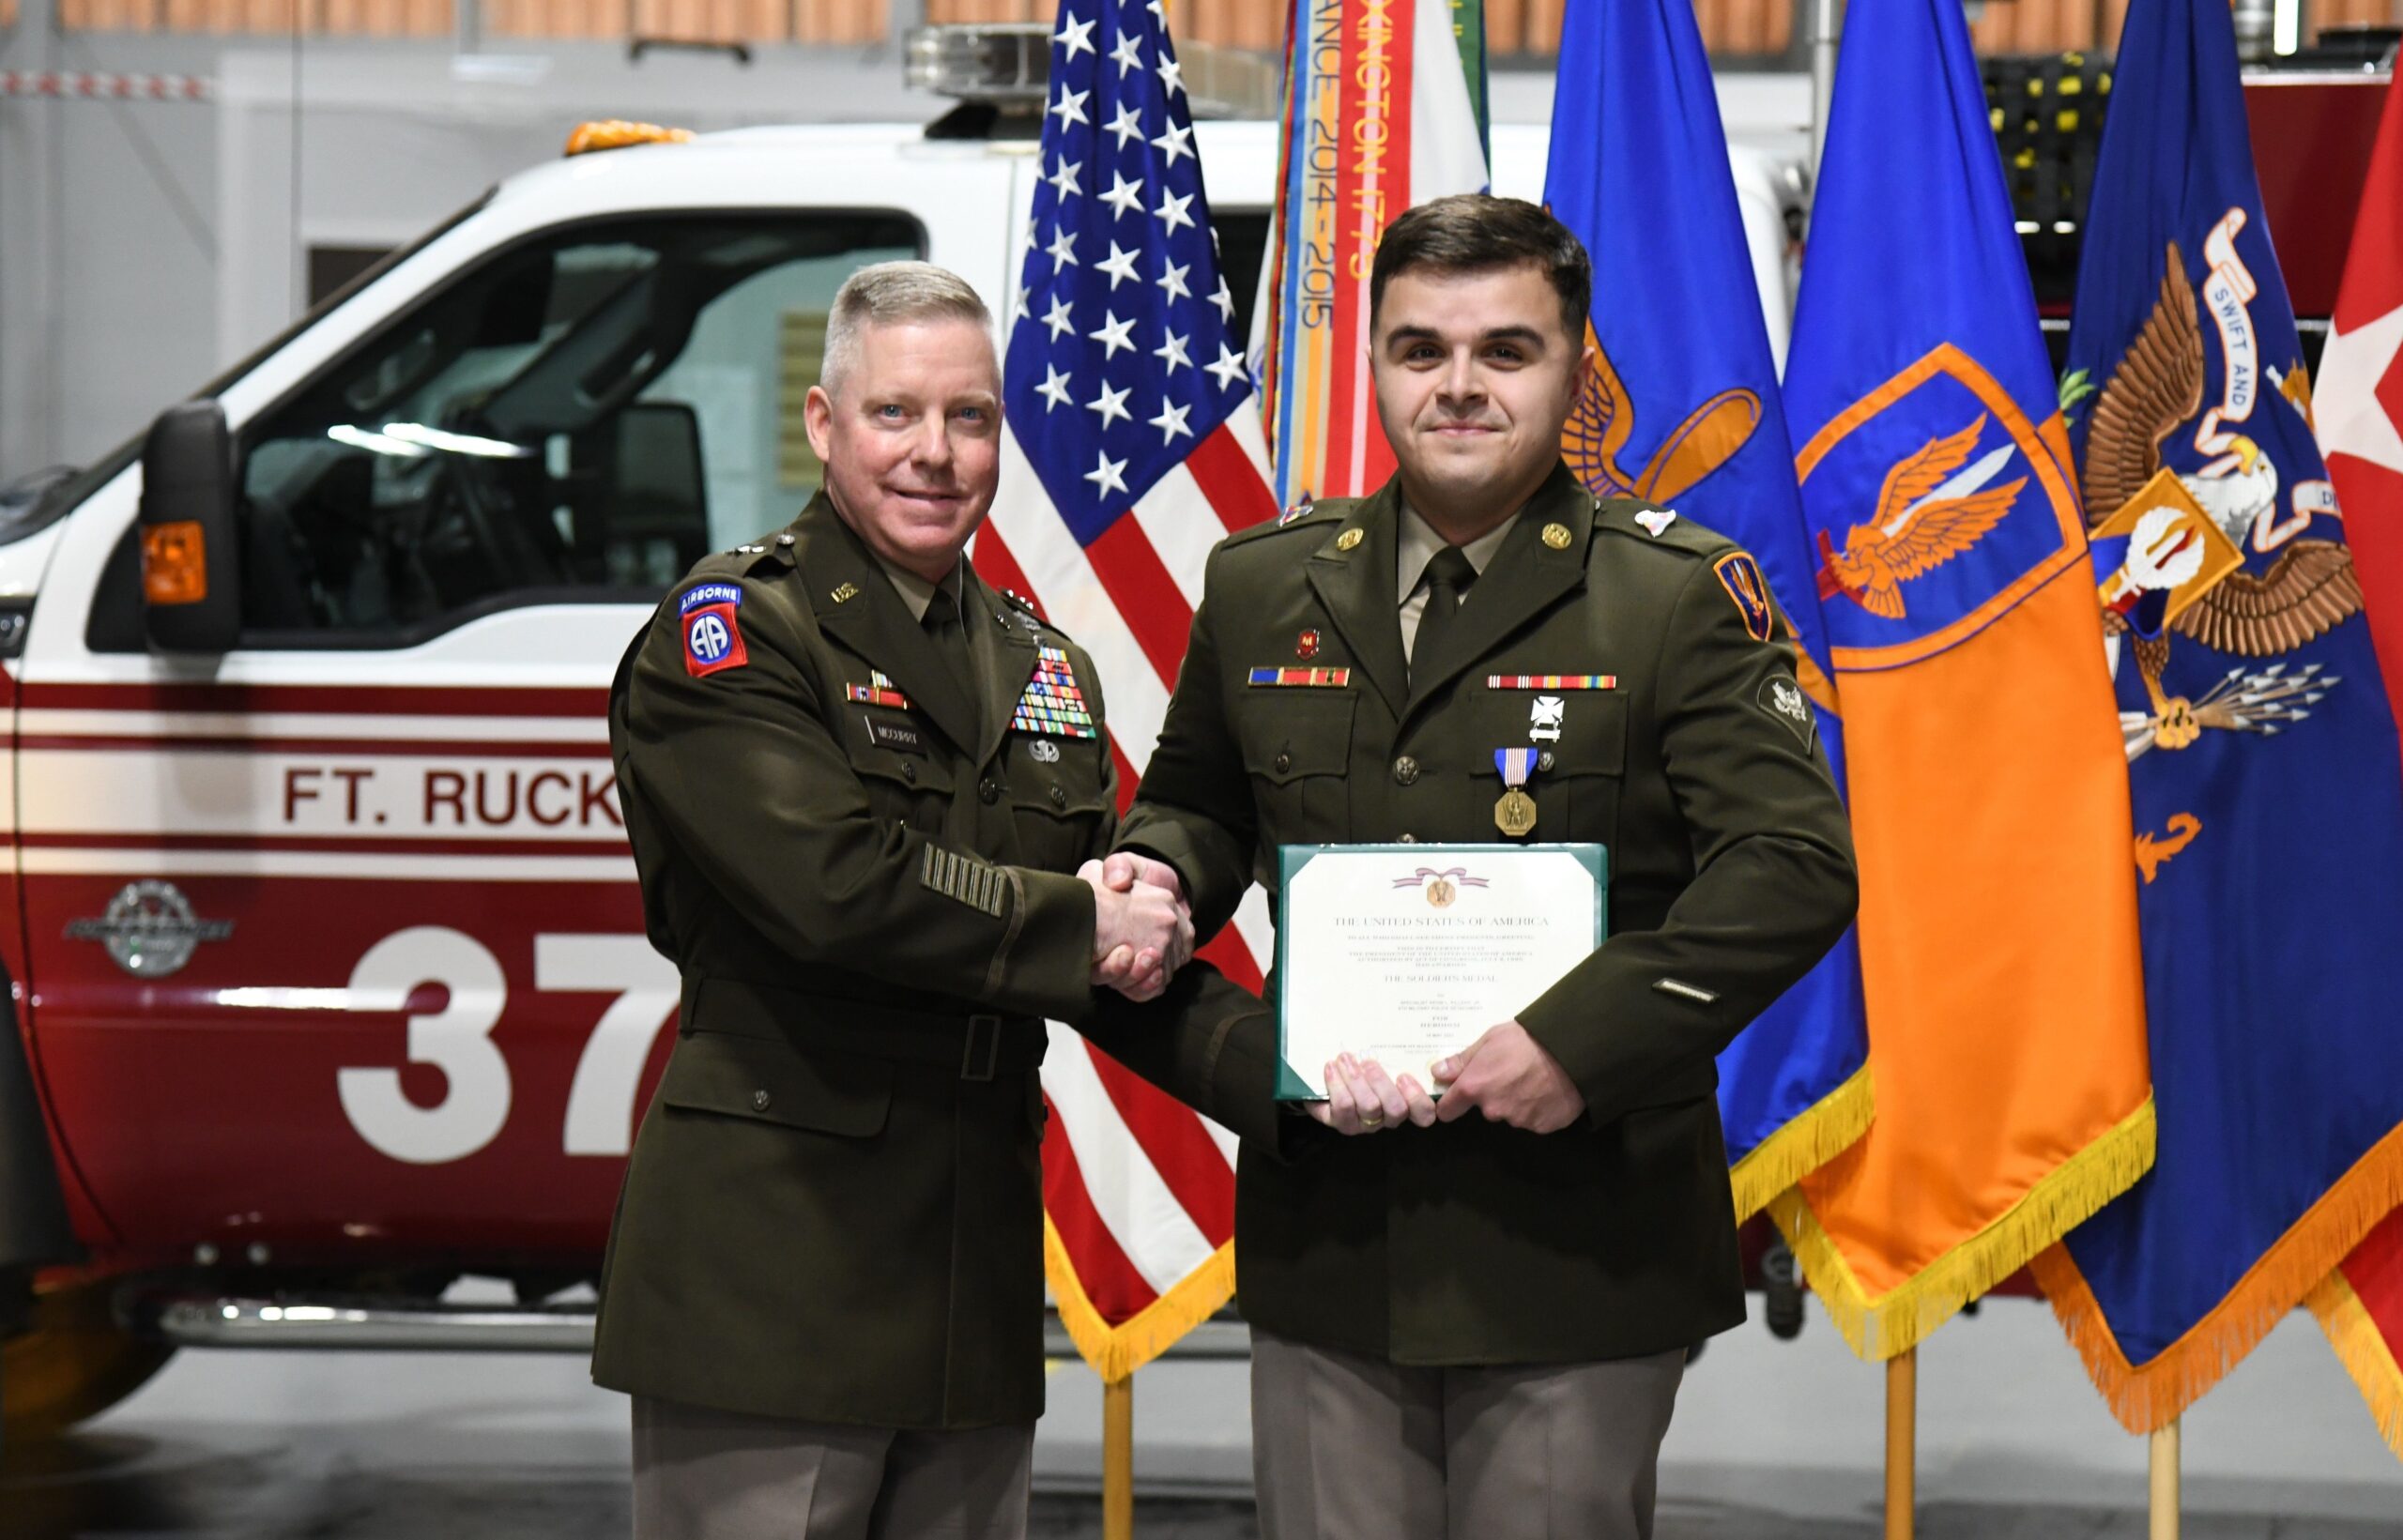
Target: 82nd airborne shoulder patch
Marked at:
713, 636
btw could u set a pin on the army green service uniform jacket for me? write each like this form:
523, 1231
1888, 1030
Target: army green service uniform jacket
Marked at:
1694, 759
834, 1210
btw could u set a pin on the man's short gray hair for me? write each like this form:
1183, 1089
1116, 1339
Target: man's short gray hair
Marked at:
888, 294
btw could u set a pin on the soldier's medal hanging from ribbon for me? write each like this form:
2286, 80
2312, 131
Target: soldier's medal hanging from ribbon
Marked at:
1515, 814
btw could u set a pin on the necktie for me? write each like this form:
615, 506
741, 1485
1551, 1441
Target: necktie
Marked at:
1448, 575
943, 626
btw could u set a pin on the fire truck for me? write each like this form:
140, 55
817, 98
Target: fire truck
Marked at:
321, 932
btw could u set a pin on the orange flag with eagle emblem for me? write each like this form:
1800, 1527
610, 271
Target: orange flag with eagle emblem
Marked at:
1998, 944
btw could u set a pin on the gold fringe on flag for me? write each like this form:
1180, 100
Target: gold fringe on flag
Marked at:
2361, 1348
1823, 1131
1117, 1352
2148, 1397
1897, 1322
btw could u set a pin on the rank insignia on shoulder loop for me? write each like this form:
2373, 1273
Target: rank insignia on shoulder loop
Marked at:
879, 690
713, 636
1653, 519
1740, 575
1053, 702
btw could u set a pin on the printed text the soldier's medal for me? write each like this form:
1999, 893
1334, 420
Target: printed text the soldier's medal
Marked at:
1515, 814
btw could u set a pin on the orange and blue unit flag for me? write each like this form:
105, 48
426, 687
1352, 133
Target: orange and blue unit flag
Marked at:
1989, 795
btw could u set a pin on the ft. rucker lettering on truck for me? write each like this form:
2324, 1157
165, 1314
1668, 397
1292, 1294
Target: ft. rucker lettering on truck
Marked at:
352, 795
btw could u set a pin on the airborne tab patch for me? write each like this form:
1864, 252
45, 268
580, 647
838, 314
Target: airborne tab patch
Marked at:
1740, 575
713, 637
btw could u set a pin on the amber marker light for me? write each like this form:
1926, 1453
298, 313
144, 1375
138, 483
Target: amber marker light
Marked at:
175, 563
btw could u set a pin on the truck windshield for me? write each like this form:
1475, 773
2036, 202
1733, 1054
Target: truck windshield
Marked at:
581, 415
18, 520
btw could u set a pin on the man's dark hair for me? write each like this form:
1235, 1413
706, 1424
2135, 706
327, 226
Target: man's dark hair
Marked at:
1478, 233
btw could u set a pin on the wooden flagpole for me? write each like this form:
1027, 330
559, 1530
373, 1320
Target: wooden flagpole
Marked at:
1902, 1423
1118, 1459
2164, 1482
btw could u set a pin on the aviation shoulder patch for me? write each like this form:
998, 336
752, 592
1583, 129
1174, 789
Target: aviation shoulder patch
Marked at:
1740, 575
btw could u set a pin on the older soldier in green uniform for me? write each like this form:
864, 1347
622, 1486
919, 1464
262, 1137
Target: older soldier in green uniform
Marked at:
1475, 1325
858, 782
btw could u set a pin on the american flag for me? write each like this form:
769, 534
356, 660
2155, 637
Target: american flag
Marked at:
1132, 445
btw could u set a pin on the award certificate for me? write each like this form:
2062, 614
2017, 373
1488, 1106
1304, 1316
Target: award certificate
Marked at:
1404, 954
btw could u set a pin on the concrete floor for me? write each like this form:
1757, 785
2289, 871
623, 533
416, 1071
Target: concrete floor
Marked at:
1772, 1441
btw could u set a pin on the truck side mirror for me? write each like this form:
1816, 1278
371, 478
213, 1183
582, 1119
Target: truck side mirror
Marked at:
191, 587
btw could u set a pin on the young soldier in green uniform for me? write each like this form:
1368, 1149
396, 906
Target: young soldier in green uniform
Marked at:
858, 782
1476, 1325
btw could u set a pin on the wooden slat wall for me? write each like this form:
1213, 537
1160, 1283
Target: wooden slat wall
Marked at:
1517, 30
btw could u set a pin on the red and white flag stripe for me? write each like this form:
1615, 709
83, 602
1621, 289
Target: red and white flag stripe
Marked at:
1140, 1189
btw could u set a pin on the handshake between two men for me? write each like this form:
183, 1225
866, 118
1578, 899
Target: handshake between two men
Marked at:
1143, 933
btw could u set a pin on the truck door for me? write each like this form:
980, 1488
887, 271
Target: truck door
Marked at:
333, 943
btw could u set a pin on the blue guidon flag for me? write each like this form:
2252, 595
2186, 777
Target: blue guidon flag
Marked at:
2261, 749
1689, 414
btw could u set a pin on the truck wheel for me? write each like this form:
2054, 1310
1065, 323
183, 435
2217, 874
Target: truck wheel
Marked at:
73, 1360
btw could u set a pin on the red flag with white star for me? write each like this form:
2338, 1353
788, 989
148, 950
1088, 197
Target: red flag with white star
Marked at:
2358, 412
2357, 404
